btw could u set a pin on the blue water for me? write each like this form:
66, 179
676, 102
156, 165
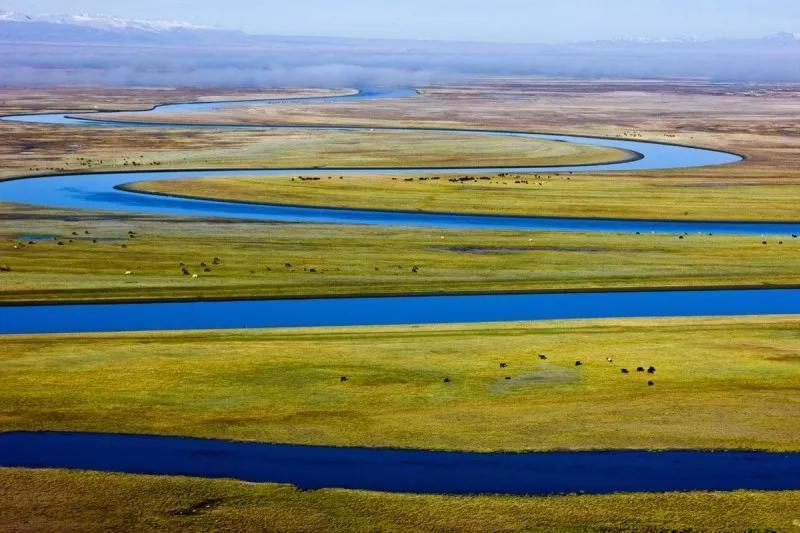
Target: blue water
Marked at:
391, 310
315, 467
96, 191
189, 107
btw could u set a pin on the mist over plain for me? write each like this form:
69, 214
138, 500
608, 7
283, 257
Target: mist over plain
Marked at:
35, 57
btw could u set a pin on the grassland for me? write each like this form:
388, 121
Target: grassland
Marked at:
36, 149
719, 383
52, 500
754, 121
340, 260
27, 149
558, 195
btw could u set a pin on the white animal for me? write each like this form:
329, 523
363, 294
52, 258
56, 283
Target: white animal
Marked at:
128, 272
194, 276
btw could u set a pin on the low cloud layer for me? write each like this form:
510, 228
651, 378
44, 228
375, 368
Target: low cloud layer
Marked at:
342, 63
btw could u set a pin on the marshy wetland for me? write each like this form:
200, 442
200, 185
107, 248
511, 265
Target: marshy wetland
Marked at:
705, 383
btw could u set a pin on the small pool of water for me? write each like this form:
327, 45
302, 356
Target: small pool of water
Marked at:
36, 238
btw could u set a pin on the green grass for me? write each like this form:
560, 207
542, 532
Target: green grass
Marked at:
57, 500
720, 383
33, 149
306, 148
643, 197
356, 259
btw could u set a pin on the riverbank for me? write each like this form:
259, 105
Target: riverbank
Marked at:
58, 500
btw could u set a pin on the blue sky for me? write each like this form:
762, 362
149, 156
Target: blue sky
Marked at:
474, 20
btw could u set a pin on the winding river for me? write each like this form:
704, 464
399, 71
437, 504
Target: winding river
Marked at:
102, 190
383, 469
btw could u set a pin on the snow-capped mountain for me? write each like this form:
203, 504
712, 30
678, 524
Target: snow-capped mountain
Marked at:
12, 16
87, 28
114, 23
786, 36
102, 22
695, 40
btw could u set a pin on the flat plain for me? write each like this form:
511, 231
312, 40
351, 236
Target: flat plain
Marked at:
345, 258
725, 382
57, 255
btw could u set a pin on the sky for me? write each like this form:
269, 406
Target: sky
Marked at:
471, 20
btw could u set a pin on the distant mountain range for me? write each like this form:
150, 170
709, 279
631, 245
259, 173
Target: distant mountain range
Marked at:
101, 22
86, 28
100, 50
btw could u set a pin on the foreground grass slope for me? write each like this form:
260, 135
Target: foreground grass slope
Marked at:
336, 260
56, 500
719, 383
